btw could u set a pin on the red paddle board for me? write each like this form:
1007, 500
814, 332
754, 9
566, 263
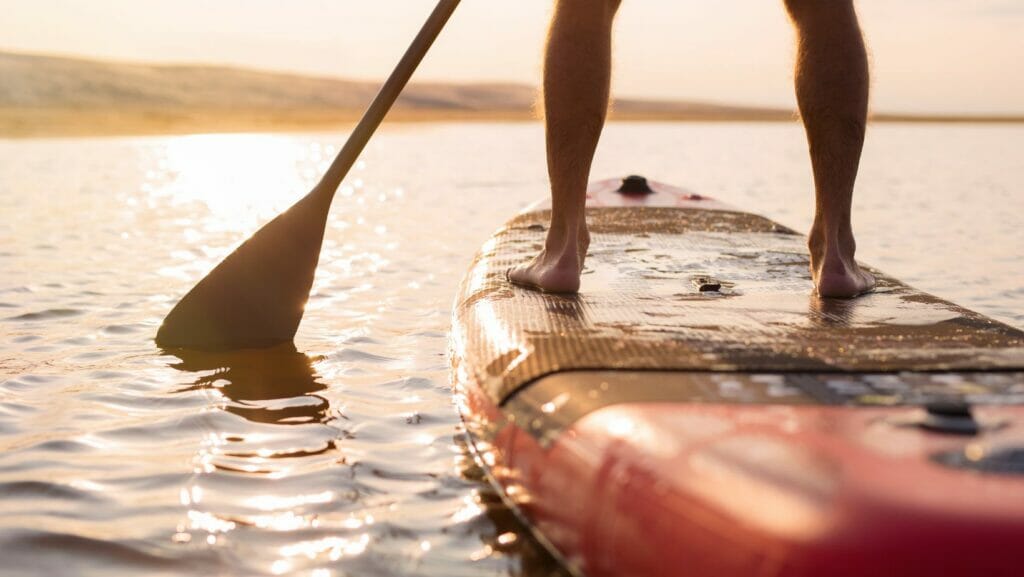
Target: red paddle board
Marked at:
697, 411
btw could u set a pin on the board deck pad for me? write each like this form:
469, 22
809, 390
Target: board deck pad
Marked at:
686, 289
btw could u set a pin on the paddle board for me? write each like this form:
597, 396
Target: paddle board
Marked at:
697, 411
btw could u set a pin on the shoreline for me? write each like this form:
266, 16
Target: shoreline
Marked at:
25, 123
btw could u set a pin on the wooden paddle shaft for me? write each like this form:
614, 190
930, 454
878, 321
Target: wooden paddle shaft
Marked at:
386, 97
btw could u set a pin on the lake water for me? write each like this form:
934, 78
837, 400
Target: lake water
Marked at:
344, 455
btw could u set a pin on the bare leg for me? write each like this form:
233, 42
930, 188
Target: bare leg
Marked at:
577, 75
832, 92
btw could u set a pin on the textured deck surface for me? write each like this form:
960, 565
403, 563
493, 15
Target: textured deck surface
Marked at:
641, 307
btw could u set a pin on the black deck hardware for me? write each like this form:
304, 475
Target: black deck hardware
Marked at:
999, 460
634, 184
706, 284
952, 417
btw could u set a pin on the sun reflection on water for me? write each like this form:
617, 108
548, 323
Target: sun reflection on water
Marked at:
242, 179
268, 423
333, 547
471, 508
275, 502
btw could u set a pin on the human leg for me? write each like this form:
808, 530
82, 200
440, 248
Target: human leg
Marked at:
577, 77
832, 94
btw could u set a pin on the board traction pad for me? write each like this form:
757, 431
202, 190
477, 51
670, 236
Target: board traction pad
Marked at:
641, 307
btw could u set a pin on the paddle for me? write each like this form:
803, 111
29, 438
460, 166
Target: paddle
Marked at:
256, 296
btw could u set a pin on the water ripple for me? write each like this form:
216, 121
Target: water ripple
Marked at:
45, 315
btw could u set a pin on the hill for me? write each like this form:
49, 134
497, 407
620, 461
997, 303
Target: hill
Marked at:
44, 95
53, 95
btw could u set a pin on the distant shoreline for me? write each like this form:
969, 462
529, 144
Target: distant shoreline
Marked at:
46, 122
57, 96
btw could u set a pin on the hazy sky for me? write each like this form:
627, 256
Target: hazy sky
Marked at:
927, 55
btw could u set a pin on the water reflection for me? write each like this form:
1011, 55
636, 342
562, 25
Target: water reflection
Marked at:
262, 472
511, 538
214, 171
569, 307
832, 313
275, 385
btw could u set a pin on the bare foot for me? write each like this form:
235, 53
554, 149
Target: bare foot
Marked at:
558, 267
834, 270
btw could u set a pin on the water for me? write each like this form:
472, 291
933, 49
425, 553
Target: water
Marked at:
344, 455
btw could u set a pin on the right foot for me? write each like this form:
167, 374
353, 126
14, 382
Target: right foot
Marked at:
557, 268
844, 283
834, 269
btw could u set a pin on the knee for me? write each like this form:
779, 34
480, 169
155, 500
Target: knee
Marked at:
803, 11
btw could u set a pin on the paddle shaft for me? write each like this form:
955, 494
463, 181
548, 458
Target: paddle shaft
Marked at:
386, 97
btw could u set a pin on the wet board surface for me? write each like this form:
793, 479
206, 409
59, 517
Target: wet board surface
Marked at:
697, 407
678, 283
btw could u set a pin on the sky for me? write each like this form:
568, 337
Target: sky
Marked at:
928, 56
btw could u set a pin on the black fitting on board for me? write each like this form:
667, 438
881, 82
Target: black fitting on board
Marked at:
953, 417
634, 184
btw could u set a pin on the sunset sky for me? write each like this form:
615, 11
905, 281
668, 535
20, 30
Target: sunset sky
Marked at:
928, 55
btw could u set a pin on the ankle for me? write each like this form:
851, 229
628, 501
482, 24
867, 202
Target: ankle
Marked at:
831, 257
565, 233
825, 237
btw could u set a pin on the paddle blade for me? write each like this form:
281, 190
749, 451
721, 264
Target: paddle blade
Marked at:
256, 296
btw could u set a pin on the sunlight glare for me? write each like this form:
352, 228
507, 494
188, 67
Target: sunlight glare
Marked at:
334, 547
243, 179
277, 503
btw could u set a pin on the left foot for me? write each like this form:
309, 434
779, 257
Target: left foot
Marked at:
558, 267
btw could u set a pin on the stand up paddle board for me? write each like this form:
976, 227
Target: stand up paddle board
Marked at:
697, 411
